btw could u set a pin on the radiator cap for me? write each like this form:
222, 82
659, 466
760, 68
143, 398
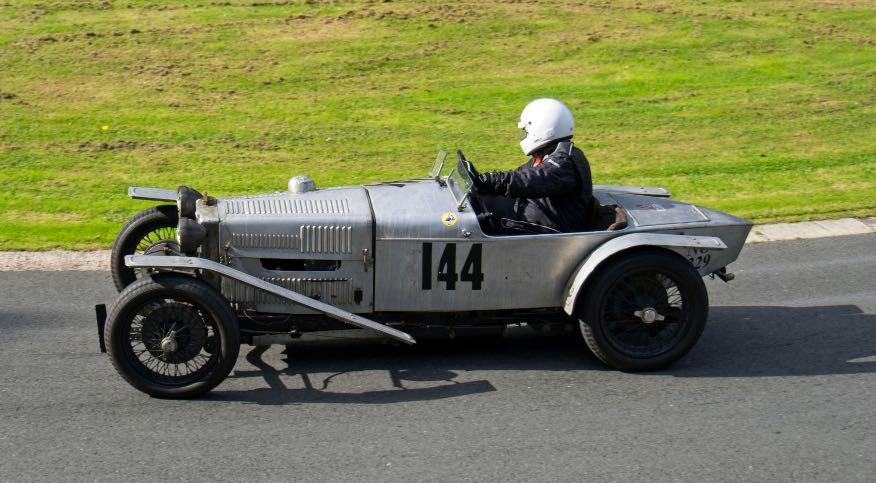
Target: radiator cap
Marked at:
301, 184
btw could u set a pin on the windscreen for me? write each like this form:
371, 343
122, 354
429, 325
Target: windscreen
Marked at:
438, 165
459, 182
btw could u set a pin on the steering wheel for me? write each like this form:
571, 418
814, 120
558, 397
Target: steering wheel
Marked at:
483, 213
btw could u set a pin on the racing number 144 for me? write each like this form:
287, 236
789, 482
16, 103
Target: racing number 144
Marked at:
470, 272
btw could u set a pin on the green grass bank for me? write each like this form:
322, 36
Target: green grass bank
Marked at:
763, 109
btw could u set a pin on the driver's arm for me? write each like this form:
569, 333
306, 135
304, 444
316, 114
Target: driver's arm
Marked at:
556, 175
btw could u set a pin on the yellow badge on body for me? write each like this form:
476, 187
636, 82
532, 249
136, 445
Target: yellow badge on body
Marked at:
449, 218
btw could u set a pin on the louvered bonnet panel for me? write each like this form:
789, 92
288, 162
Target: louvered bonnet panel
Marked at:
331, 224
335, 291
324, 224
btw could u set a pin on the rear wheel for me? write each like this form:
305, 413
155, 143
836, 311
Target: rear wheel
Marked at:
644, 311
172, 337
150, 232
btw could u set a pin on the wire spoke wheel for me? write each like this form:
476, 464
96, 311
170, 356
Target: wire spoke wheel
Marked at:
644, 314
171, 340
150, 232
172, 336
163, 235
160, 241
643, 311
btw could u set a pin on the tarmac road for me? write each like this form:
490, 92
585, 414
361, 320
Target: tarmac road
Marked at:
781, 386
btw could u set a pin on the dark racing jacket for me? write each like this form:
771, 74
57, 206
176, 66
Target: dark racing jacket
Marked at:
557, 193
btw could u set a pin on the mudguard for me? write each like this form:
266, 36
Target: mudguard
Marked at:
154, 194
680, 244
655, 191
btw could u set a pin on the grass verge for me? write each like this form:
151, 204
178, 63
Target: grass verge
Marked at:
762, 109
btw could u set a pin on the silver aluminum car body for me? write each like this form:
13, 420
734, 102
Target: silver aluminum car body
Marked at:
383, 248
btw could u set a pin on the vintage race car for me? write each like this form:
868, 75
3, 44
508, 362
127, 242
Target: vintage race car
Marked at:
417, 258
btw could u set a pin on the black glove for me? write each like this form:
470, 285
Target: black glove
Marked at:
481, 180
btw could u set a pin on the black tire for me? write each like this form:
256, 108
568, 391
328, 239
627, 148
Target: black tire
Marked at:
158, 221
206, 332
620, 337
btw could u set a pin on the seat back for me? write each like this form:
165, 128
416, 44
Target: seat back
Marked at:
607, 217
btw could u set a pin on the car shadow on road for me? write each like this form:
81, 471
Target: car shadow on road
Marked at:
427, 371
347, 359
739, 342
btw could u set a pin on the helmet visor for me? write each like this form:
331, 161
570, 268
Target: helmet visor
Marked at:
523, 133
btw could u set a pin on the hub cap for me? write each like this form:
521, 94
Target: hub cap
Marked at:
168, 345
648, 315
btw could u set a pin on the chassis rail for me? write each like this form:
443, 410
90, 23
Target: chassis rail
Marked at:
189, 263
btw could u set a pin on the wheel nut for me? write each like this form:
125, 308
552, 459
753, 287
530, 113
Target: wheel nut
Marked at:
648, 315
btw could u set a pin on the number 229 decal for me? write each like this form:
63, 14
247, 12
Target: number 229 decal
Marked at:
470, 271
699, 257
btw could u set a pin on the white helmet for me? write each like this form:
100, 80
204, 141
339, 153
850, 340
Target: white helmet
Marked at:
543, 121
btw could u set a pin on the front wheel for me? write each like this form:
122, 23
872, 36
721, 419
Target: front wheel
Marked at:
172, 336
150, 232
644, 311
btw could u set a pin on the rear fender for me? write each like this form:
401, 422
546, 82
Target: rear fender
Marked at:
681, 244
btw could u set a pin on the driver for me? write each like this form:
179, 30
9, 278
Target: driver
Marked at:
553, 191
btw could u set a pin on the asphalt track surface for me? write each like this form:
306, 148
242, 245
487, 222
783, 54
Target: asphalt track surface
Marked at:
780, 387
